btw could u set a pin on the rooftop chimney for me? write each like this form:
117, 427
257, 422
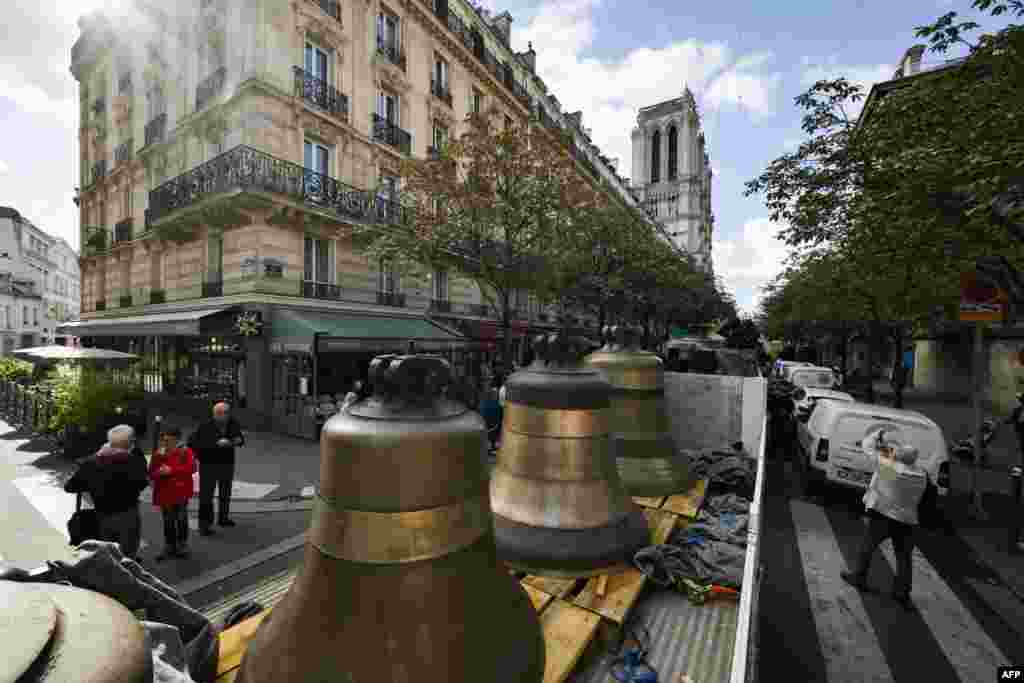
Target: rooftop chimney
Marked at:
911, 62
503, 25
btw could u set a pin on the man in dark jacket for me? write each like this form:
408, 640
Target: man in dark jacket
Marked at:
214, 443
114, 477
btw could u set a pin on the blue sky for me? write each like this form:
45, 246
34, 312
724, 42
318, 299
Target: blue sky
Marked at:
744, 61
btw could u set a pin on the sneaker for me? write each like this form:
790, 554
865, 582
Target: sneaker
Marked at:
226, 522
855, 581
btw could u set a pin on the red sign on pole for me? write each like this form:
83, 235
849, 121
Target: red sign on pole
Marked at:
980, 302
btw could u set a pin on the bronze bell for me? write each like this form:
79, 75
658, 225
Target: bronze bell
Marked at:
54, 633
559, 507
400, 580
648, 461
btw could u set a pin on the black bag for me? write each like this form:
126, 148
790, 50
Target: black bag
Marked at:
84, 524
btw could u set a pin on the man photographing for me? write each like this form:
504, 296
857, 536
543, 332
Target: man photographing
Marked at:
214, 443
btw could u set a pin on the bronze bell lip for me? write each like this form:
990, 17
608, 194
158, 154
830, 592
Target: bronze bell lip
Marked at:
559, 507
647, 459
400, 579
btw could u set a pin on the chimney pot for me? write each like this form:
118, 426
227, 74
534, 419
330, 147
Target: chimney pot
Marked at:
912, 60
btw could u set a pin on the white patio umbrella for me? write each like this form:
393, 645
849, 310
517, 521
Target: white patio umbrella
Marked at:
72, 353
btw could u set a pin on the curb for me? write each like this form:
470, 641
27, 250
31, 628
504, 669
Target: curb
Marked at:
256, 505
226, 571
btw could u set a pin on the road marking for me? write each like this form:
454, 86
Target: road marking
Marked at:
848, 640
967, 647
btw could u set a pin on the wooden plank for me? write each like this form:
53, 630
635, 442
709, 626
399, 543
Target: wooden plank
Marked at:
662, 523
539, 599
229, 677
235, 640
649, 502
688, 504
552, 586
602, 585
567, 632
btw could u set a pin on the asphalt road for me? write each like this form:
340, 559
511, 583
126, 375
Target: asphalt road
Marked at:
814, 627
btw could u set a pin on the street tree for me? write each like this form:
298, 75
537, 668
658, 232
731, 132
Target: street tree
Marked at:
492, 205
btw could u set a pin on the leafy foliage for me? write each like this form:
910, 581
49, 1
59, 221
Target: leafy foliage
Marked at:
13, 369
741, 333
85, 397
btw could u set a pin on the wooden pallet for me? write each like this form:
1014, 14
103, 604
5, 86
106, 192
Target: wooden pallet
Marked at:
687, 504
572, 611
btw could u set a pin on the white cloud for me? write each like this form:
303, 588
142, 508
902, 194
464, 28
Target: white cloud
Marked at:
829, 68
749, 261
609, 91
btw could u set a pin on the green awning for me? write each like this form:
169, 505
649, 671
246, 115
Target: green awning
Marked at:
294, 330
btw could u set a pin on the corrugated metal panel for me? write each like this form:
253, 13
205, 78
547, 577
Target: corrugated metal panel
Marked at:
267, 592
685, 638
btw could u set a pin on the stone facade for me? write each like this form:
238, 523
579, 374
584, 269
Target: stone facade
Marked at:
672, 174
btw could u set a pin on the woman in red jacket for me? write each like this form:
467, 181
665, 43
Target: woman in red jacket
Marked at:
171, 469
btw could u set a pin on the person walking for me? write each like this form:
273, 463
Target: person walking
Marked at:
171, 469
214, 443
1016, 418
891, 505
113, 478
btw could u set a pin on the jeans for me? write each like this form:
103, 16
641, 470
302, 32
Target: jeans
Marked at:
123, 528
214, 475
175, 525
879, 528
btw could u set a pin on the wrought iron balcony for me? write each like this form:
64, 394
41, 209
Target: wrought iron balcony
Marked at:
440, 8
99, 106
123, 231
441, 305
212, 288
155, 129
396, 299
210, 87
441, 91
244, 168
330, 7
390, 134
433, 152
125, 301
99, 170
123, 152
157, 296
392, 51
95, 241
320, 290
101, 305
320, 93
124, 84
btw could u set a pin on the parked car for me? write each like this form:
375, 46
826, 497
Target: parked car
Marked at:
812, 376
829, 444
806, 398
781, 372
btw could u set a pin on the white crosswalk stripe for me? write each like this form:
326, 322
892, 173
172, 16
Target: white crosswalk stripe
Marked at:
848, 639
966, 645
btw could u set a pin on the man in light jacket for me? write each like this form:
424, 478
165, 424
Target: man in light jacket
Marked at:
891, 505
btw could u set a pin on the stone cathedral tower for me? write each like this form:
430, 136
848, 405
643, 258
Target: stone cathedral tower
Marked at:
672, 173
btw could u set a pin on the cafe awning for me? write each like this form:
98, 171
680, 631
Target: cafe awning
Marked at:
183, 323
293, 330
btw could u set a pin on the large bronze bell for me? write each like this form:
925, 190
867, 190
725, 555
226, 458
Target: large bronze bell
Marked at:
400, 580
648, 461
559, 507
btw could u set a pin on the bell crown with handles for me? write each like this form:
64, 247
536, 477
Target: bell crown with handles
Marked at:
414, 378
560, 349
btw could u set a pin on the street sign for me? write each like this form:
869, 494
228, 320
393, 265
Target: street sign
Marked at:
980, 302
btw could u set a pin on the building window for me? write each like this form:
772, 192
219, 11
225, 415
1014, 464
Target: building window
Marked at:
476, 103
316, 62
673, 152
387, 32
441, 284
508, 122
387, 107
656, 156
440, 75
319, 261
440, 136
317, 159
24, 316
35, 317
388, 282
216, 259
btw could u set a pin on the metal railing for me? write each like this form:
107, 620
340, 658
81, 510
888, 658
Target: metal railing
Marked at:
321, 290
123, 152
396, 299
124, 301
387, 132
155, 129
123, 231
441, 91
210, 87
392, 51
330, 7
243, 167
320, 93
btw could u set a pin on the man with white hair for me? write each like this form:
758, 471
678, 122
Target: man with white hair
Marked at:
891, 506
114, 477
214, 443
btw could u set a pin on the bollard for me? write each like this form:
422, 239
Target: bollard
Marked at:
1016, 475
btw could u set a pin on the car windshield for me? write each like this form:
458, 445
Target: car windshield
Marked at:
821, 379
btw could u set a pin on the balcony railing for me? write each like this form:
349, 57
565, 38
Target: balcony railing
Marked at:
125, 301
123, 152
248, 169
480, 310
99, 170
157, 296
210, 87
396, 299
99, 106
212, 288
441, 305
433, 152
331, 7
390, 134
320, 290
123, 231
101, 305
320, 93
95, 241
441, 91
155, 129
392, 51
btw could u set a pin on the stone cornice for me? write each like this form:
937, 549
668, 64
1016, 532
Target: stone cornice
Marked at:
310, 18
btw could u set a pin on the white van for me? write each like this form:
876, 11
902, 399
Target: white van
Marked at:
829, 445
811, 376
